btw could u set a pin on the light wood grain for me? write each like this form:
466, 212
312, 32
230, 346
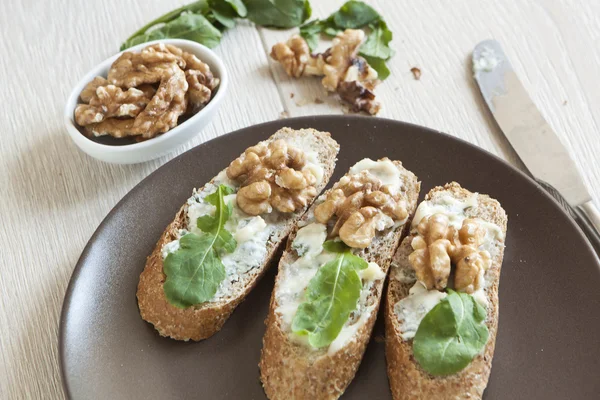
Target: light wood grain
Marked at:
53, 196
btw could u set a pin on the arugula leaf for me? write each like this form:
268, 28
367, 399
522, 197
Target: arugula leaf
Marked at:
332, 31
355, 14
239, 7
311, 32
187, 26
225, 11
195, 7
377, 43
278, 13
194, 271
224, 20
216, 224
336, 246
331, 295
450, 335
378, 64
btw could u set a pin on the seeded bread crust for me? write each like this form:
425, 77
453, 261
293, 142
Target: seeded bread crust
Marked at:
293, 371
204, 320
407, 379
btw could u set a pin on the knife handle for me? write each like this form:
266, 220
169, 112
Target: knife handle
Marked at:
590, 216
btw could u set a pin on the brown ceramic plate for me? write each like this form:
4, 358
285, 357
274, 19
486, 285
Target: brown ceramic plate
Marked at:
547, 347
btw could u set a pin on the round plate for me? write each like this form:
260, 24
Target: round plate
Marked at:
547, 344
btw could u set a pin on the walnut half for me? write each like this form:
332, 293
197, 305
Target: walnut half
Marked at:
145, 93
362, 206
280, 168
438, 245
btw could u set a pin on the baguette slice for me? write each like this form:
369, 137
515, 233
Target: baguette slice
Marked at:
204, 320
293, 370
407, 379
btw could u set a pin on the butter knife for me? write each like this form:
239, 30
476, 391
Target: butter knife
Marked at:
533, 139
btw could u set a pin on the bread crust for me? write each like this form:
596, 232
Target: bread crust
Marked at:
292, 371
407, 379
204, 320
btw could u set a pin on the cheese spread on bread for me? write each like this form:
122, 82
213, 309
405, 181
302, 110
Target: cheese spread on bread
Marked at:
308, 244
411, 310
251, 233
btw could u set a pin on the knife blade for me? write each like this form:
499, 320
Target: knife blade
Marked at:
536, 144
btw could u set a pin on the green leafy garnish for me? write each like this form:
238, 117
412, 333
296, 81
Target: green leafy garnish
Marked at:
331, 295
378, 64
203, 21
198, 7
311, 33
194, 271
377, 43
226, 11
186, 26
215, 225
336, 246
450, 335
278, 13
355, 15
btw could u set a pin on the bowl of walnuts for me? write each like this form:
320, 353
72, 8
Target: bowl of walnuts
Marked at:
146, 101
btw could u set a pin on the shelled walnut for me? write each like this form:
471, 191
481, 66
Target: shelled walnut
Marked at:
363, 206
342, 69
273, 176
145, 93
438, 245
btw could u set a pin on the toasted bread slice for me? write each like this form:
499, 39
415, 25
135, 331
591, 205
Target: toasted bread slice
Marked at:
407, 379
203, 320
291, 369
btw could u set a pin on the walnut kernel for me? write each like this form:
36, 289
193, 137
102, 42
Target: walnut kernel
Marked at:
282, 168
438, 245
354, 200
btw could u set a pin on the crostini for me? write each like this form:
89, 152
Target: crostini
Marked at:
330, 281
223, 238
441, 309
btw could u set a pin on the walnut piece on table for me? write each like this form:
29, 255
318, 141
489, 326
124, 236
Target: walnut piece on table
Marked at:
343, 70
273, 176
145, 93
111, 101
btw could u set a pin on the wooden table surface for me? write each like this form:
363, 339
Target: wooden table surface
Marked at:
53, 196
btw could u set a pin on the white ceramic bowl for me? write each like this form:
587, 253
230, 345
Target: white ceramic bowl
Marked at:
162, 144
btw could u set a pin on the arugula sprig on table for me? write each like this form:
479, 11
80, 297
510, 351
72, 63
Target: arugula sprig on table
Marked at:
204, 21
451, 334
331, 295
195, 271
356, 15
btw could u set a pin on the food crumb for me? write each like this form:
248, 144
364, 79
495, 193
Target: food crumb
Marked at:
292, 95
302, 102
416, 73
319, 100
564, 103
283, 115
